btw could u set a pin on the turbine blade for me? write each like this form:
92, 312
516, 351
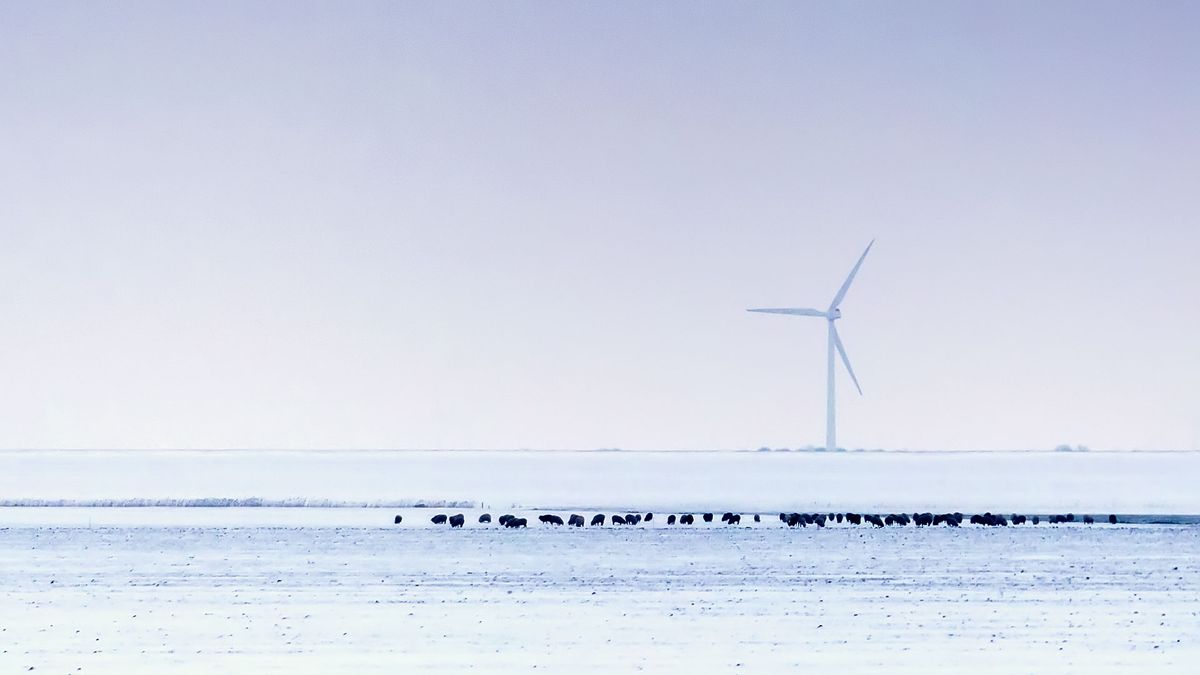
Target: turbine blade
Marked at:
837, 342
841, 294
795, 311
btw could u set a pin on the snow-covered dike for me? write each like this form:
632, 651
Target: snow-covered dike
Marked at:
747, 481
1109, 599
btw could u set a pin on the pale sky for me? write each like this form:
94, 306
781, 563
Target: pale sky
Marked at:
537, 225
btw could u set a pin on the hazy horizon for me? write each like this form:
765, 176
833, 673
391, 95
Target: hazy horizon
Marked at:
534, 225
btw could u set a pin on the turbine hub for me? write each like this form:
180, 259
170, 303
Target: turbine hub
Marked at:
835, 314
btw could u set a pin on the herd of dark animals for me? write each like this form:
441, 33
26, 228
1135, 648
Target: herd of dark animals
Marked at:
790, 519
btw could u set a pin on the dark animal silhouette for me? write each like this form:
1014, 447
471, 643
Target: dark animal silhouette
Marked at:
756, 518
923, 519
783, 517
873, 519
820, 519
1070, 517
1037, 519
854, 518
726, 516
1088, 520
598, 519
1112, 519
839, 517
990, 519
485, 518
687, 519
550, 519
649, 517
503, 520
439, 519
575, 520
515, 522
794, 519
398, 520
632, 519
734, 520
708, 517
617, 520
671, 519
457, 520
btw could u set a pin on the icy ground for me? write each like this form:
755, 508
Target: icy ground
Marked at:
878, 482
253, 599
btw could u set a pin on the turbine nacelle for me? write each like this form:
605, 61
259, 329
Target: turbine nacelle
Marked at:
835, 314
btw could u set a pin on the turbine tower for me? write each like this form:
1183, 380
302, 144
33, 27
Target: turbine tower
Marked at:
832, 314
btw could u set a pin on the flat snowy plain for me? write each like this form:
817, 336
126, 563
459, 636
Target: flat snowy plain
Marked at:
166, 590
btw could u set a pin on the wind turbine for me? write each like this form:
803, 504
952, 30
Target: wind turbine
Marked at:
832, 314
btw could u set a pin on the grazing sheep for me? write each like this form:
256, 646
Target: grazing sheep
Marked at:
515, 522
1112, 519
598, 519
457, 520
649, 517
795, 519
854, 518
734, 520
726, 516
575, 520
708, 517
503, 520
756, 518
632, 519
1037, 519
923, 519
687, 519
617, 520
873, 519
550, 519
398, 520
783, 517
485, 518
820, 518
439, 519
1088, 520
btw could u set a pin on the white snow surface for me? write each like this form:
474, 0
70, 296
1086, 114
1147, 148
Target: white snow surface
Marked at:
707, 599
1130, 482
265, 587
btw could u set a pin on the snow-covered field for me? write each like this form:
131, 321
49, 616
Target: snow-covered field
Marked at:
283, 589
879, 481
706, 599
